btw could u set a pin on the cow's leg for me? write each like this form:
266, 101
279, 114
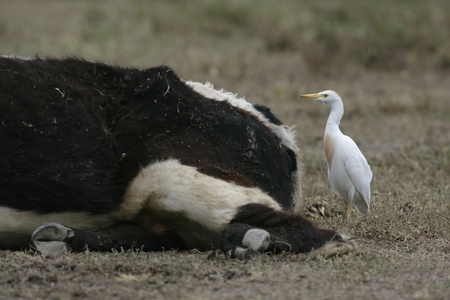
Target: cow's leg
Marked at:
258, 228
53, 239
243, 241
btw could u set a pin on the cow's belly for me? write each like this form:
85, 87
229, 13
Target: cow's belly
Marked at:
194, 205
17, 226
163, 196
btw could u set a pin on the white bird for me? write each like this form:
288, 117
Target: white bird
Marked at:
348, 171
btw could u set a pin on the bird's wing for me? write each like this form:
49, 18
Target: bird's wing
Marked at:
359, 172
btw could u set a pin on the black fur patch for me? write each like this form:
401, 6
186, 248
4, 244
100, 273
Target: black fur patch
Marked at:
267, 113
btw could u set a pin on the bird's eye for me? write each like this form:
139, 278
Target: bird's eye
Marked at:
325, 95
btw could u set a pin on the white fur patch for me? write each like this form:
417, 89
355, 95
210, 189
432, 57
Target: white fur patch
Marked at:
283, 132
17, 226
194, 205
17, 57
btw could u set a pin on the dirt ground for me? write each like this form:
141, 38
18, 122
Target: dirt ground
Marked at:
390, 62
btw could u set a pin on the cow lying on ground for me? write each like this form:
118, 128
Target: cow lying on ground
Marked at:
115, 158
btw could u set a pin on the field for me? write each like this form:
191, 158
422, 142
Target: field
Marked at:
390, 62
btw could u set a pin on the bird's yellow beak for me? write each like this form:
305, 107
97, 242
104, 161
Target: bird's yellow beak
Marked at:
311, 96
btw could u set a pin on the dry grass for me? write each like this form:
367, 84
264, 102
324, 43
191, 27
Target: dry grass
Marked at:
390, 62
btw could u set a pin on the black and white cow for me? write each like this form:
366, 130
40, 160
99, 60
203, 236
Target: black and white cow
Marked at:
115, 158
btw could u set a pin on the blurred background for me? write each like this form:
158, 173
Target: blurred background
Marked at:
387, 59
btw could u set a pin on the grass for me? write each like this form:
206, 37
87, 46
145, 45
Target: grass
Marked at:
389, 60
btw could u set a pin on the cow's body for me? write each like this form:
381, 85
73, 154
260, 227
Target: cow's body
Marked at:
130, 158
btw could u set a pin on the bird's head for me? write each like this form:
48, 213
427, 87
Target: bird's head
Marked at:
325, 97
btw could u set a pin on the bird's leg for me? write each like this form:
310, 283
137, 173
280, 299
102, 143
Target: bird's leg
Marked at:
349, 209
347, 212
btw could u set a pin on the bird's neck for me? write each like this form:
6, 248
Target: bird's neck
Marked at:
334, 119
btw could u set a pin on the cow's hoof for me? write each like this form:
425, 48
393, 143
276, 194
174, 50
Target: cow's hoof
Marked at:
255, 241
50, 239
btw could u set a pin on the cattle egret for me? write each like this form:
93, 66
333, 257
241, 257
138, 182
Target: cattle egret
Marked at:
348, 171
